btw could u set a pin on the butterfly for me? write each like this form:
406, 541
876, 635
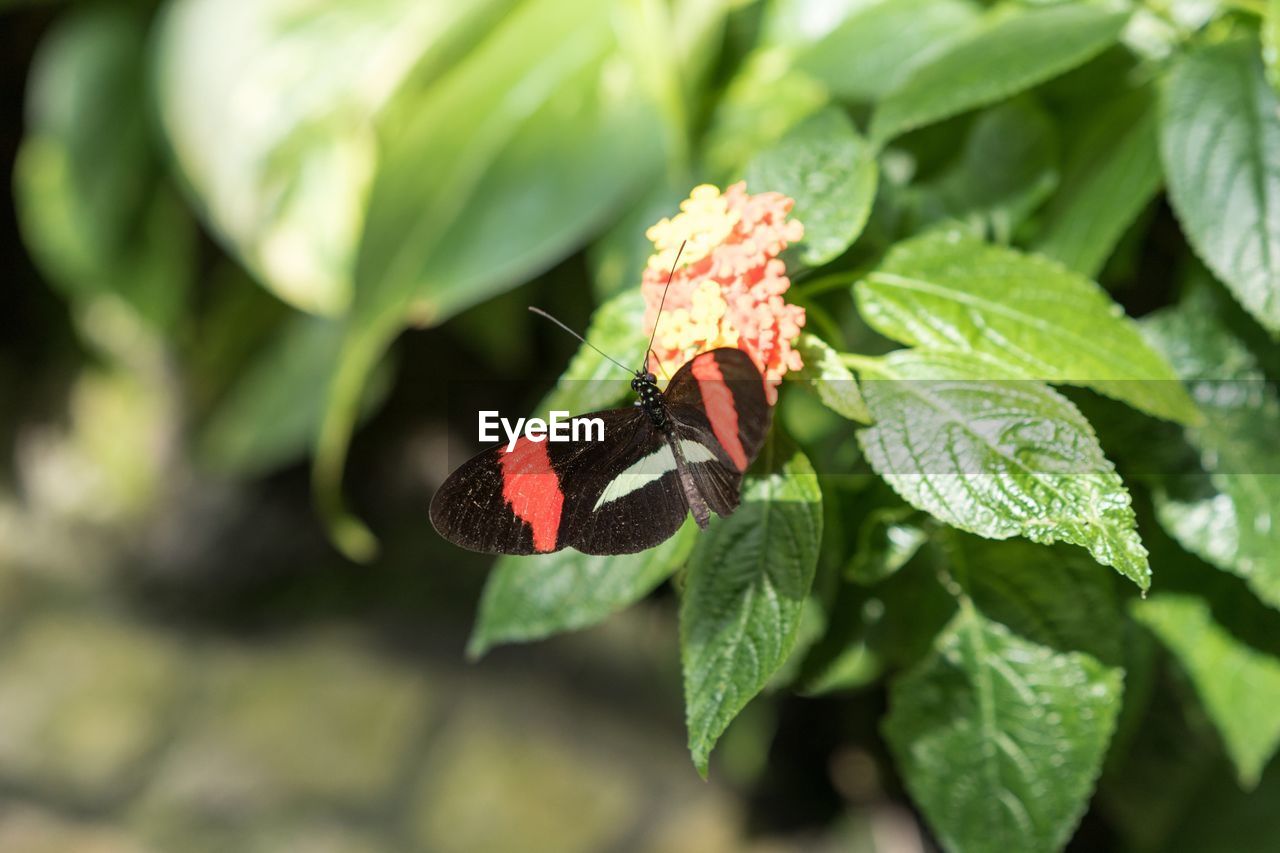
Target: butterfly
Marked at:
673, 452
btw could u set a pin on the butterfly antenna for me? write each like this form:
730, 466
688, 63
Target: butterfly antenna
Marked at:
542, 313
663, 301
659, 363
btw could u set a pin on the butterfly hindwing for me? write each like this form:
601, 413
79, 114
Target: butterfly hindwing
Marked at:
718, 400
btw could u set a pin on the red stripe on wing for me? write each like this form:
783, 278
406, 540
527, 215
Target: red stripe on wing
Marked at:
717, 399
531, 487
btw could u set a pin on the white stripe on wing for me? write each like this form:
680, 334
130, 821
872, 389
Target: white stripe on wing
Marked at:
650, 469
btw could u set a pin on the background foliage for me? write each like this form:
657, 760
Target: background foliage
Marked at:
1042, 239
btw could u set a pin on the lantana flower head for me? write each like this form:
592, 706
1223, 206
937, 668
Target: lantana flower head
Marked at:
728, 290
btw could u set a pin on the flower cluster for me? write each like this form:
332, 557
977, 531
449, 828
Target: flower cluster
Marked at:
728, 289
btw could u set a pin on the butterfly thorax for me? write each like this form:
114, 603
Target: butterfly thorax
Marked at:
646, 385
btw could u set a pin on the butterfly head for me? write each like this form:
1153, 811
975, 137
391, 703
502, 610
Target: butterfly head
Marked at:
643, 381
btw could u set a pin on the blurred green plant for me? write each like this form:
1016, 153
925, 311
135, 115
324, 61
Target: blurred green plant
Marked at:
981, 183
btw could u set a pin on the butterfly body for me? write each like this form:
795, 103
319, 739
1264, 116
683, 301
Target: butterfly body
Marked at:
674, 452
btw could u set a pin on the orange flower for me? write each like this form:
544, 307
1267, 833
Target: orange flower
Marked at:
728, 289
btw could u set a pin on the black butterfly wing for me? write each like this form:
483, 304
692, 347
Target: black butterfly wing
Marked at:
614, 496
717, 400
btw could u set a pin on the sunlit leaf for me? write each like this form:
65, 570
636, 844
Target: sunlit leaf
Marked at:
529, 598
747, 582
997, 456
1238, 685
1000, 739
1218, 136
950, 291
830, 171
1231, 524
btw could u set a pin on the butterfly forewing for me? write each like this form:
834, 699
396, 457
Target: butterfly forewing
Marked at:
626, 493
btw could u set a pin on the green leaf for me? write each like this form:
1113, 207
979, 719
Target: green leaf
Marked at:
1238, 685
1231, 524
890, 536
1015, 50
1271, 42
747, 582
873, 49
834, 383
946, 290
765, 99
1053, 596
999, 457
1007, 168
1219, 133
830, 171
96, 214
1000, 740
529, 598
272, 413
282, 177
1112, 171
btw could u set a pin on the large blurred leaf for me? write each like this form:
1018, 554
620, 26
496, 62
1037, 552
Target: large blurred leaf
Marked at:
528, 598
1219, 135
528, 166
1231, 524
1016, 49
1008, 166
269, 110
950, 291
1000, 740
996, 456
95, 213
878, 43
1112, 170
1238, 685
830, 171
272, 413
747, 582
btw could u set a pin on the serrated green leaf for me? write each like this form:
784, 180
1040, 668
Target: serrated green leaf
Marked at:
834, 383
830, 171
1232, 523
1112, 171
1000, 740
529, 598
999, 457
946, 290
1015, 50
876, 46
747, 581
1008, 166
1219, 132
1053, 596
1238, 685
